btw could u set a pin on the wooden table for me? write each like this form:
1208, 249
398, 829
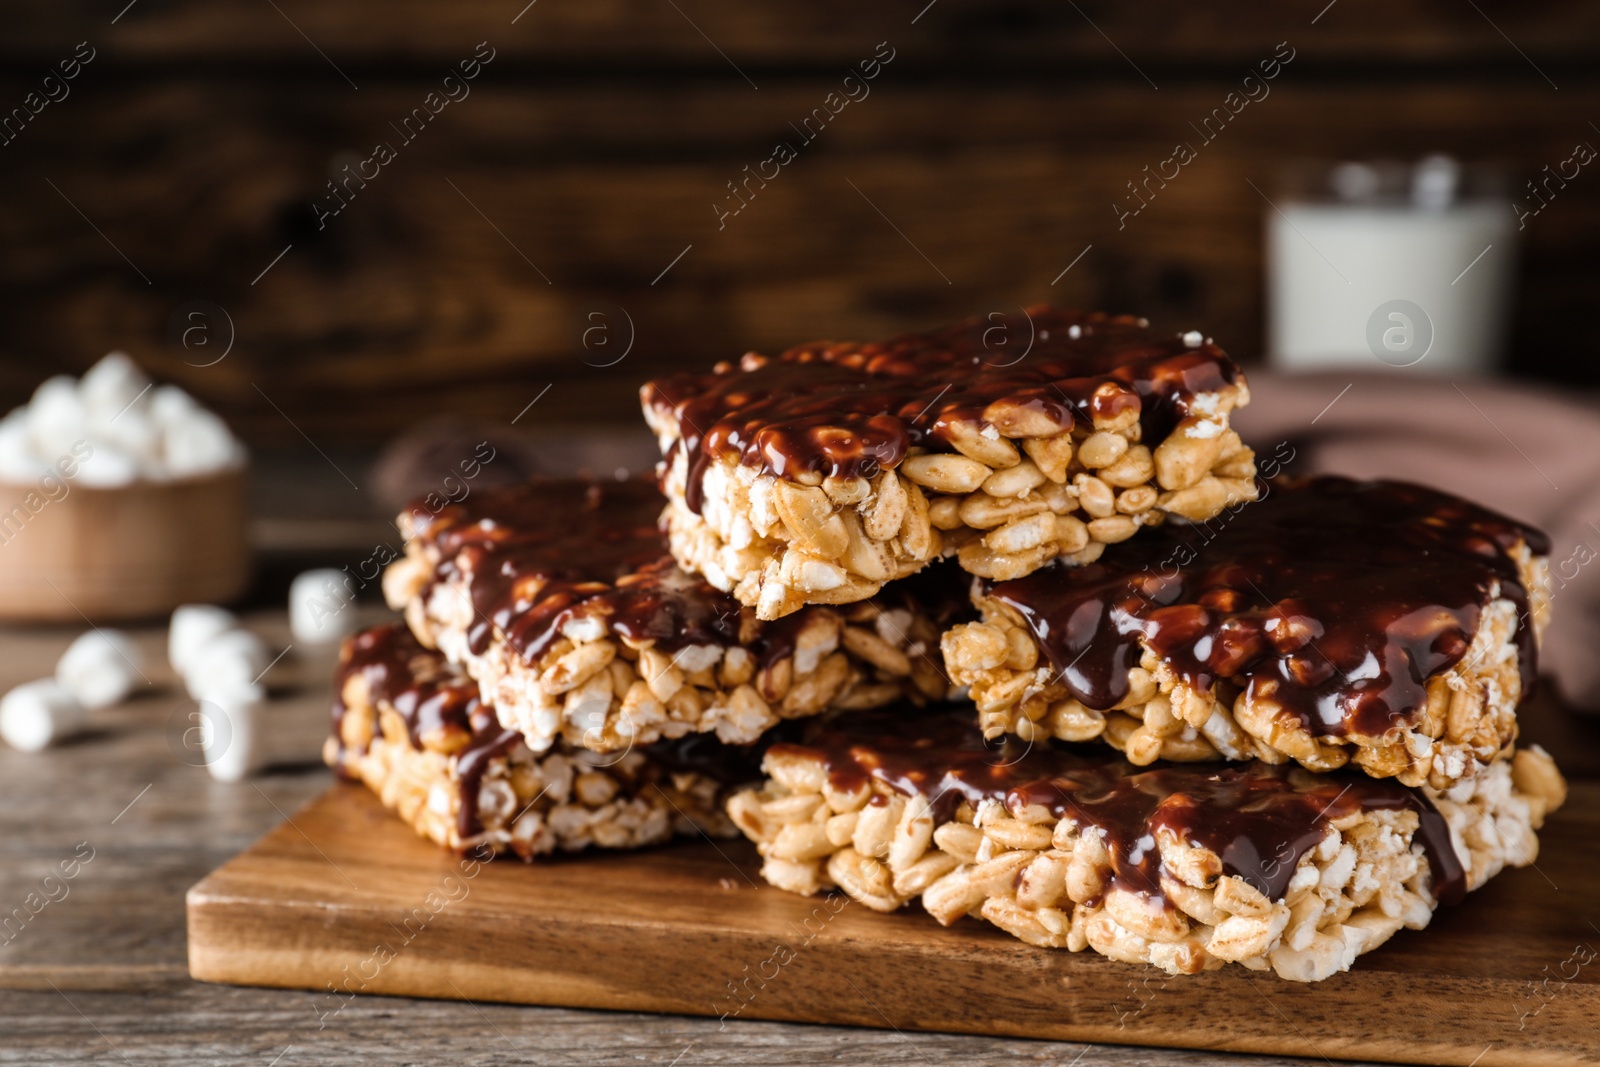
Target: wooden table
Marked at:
99, 974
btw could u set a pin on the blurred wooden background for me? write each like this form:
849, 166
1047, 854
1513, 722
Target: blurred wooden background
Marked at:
592, 149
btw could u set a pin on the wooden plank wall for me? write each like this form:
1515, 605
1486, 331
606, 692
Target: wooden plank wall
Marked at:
187, 154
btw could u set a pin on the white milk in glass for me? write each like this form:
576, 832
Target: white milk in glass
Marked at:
1420, 282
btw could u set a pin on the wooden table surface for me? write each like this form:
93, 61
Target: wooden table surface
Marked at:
99, 975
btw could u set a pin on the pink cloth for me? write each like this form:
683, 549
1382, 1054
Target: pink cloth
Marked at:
1530, 453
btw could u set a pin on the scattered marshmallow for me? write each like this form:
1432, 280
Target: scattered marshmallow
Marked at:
321, 606
40, 714
221, 665
192, 626
239, 742
127, 429
99, 668
229, 660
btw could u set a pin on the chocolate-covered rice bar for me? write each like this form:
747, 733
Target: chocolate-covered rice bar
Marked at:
1380, 624
1183, 866
411, 726
816, 476
560, 598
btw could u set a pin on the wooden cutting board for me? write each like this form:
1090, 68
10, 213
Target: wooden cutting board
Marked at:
344, 899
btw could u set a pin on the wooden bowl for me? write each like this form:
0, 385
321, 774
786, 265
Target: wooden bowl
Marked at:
125, 553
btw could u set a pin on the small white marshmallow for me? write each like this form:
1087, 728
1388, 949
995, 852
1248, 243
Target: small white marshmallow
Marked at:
40, 714
198, 442
228, 660
113, 388
99, 668
19, 462
321, 606
169, 404
56, 417
236, 739
108, 467
192, 626
135, 433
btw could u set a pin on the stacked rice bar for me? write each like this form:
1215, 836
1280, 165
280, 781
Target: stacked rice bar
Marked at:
819, 475
1334, 622
1186, 866
412, 726
561, 600
1045, 652
560, 683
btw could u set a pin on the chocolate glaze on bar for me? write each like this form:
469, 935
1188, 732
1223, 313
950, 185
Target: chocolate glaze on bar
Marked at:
1259, 819
850, 410
1333, 598
539, 555
437, 700
439, 705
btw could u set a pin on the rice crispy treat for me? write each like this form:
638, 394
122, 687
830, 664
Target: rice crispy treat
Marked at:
1183, 866
819, 475
1377, 624
561, 600
411, 726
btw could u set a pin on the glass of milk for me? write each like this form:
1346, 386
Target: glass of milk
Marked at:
1379, 265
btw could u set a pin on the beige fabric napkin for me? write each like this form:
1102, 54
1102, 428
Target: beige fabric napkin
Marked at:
1531, 453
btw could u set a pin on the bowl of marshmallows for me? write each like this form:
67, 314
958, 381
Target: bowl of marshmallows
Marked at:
119, 499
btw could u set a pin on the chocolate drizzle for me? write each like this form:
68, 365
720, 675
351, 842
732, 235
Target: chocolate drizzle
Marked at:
439, 705
539, 556
850, 410
1259, 819
443, 713
1334, 599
